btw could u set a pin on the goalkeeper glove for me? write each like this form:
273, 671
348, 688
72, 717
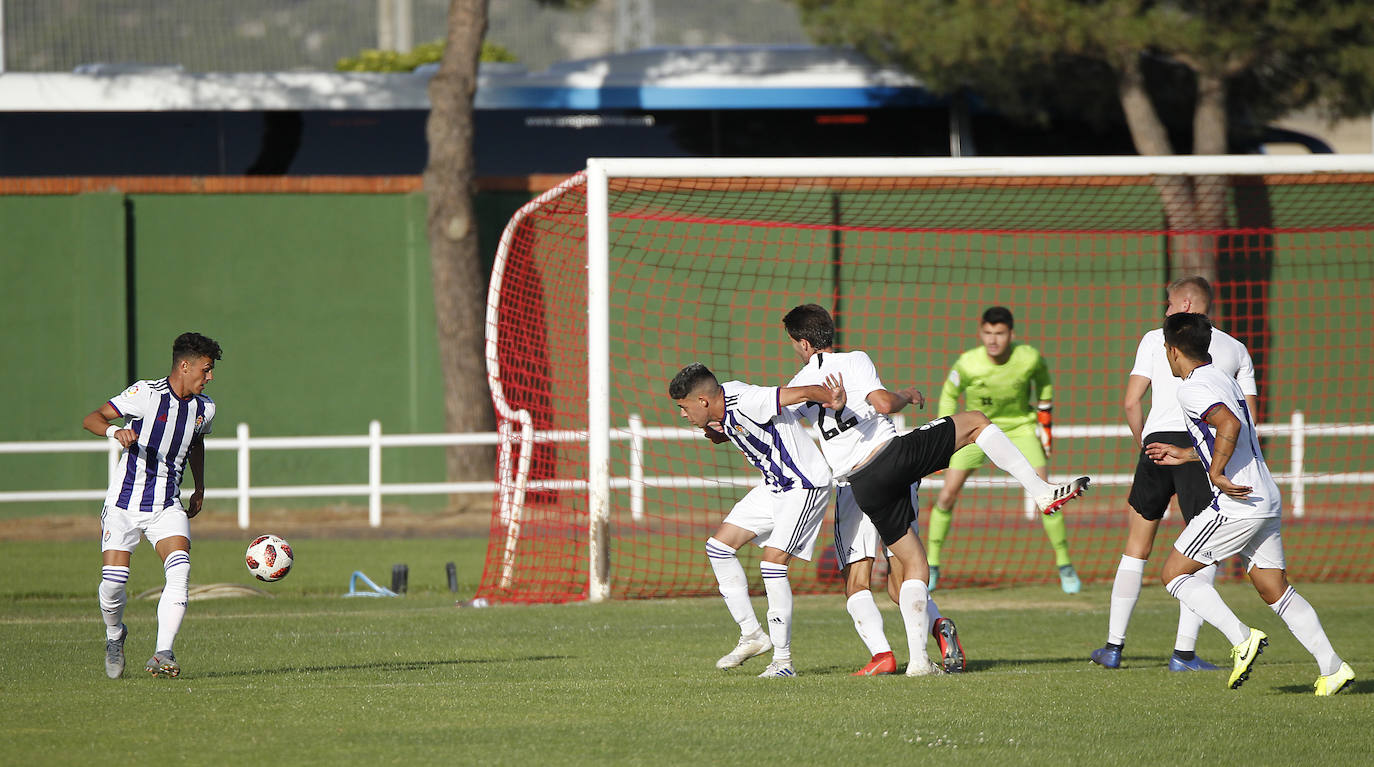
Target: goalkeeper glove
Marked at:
1042, 428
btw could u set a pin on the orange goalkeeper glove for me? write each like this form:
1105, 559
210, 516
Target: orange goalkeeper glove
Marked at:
1042, 429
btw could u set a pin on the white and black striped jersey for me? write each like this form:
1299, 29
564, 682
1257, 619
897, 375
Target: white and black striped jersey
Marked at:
149, 474
1205, 389
771, 438
851, 435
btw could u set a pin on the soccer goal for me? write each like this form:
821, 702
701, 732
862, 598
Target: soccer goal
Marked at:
607, 284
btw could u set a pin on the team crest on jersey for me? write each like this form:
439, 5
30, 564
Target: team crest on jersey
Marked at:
200, 420
132, 390
739, 429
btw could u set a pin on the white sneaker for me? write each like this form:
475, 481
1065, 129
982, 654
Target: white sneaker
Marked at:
1050, 501
748, 647
926, 667
778, 668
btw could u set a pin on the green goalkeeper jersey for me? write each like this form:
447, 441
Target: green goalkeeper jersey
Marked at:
1006, 393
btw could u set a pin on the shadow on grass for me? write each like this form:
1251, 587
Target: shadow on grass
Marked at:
409, 665
971, 666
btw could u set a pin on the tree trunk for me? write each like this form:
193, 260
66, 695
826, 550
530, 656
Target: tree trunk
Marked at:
459, 295
1192, 205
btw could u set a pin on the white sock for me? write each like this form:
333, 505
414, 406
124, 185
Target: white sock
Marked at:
112, 598
171, 608
779, 591
1189, 622
1202, 598
1303, 622
932, 613
1004, 454
868, 621
734, 585
912, 602
1125, 593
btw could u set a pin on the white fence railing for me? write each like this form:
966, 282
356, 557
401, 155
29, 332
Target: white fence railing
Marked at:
1296, 430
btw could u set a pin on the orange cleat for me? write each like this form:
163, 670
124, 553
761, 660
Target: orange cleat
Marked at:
882, 663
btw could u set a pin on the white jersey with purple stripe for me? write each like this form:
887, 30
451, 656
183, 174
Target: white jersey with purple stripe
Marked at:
149, 474
1204, 390
772, 438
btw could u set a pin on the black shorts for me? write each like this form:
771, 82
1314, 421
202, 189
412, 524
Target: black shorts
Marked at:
883, 487
1154, 485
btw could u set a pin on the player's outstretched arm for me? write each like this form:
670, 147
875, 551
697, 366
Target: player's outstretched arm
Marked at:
830, 396
887, 402
1227, 428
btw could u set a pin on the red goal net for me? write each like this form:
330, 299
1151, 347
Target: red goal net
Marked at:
703, 269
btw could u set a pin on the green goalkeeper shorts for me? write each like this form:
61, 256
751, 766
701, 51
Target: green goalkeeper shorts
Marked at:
970, 457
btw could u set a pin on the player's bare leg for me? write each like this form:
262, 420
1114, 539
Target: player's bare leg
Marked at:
734, 589
972, 427
941, 516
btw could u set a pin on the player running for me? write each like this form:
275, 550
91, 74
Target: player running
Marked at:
1000, 378
1244, 516
1153, 484
165, 426
844, 443
783, 514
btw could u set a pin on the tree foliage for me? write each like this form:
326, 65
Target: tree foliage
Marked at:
374, 60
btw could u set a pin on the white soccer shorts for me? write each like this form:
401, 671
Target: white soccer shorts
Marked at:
1211, 537
855, 536
120, 529
789, 520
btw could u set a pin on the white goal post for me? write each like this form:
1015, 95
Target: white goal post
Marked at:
597, 179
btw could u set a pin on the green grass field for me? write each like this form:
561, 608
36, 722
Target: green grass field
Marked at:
310, 678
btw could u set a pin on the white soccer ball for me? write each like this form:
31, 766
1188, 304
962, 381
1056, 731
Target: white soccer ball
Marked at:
268, 558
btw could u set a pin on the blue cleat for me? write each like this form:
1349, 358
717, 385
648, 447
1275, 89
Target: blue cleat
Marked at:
1107, 657
1068, 579
1196, 664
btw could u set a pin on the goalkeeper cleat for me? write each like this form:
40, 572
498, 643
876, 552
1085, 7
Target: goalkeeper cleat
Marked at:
951, 650
748, 647
114, 654
1191, 664
778, 668
934, 578
1243, 657
1107, 657
1334, 683
1050, 501
163, 663
882, 663
924, 667
1068, 579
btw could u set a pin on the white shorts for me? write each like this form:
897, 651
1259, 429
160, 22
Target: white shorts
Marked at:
788, 521
119, 529
1211, 537
855, 536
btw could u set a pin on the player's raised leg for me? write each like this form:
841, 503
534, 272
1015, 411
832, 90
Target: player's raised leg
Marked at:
973, 427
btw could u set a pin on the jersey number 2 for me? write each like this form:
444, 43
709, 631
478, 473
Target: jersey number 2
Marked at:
840, 425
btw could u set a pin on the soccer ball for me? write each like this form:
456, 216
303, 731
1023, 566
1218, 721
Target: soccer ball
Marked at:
268, 558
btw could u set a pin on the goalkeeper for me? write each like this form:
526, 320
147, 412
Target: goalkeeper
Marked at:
1000, 378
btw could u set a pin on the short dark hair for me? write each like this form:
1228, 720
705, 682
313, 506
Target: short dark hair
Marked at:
810, 323
690, 380
1190, 333
1194, 287
998, 315
194, 346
